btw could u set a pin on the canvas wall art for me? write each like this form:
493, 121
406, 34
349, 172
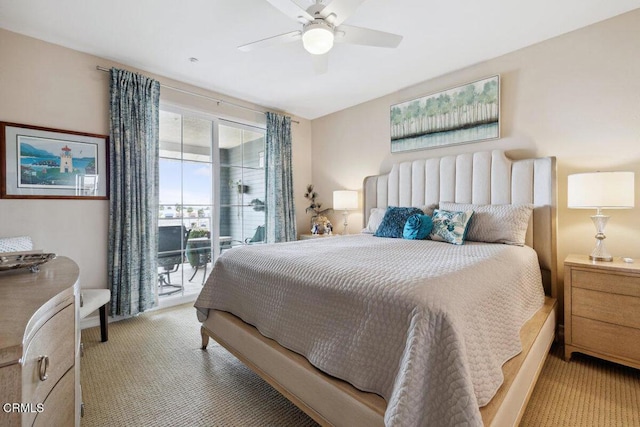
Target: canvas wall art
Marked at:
464, 114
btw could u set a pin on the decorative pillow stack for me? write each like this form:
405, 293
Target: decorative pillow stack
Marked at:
450, 226
495, 223
394, 221
453, 223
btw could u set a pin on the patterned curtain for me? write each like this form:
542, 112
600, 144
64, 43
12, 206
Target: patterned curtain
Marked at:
133, 204
279, 207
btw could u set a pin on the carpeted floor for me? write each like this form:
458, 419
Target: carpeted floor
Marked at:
586, 391
152, 372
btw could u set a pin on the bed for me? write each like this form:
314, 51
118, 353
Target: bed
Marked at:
348, 304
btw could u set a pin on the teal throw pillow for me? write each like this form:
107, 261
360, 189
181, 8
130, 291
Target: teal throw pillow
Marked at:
450, 226
417, 227
394, 220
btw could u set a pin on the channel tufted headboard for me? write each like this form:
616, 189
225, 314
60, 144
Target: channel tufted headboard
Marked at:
485, 177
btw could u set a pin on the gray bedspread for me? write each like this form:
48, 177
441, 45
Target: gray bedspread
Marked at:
426, 325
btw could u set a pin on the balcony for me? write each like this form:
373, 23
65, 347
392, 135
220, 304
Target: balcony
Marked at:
182, 272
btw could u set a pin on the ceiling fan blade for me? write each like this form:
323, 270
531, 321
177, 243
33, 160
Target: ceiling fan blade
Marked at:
320, 63
282, 38
292, 10
366, 36
338, 10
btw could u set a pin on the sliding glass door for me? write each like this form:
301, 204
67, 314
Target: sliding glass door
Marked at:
242, 185
212, 187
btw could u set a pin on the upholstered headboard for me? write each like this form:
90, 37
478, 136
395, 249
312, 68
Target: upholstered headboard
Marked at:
486, 177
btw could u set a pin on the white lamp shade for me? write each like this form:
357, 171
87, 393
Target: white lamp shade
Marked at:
345, 200
606, 190
317, 39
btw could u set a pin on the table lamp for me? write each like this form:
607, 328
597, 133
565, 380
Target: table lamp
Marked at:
345, 200
601, 190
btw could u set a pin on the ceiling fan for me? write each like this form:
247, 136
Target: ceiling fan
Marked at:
321, 27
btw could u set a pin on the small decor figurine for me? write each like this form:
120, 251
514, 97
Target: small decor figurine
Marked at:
328, 228
318, 220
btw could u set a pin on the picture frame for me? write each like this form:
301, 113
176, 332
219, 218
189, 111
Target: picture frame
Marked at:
459, 115
45, 163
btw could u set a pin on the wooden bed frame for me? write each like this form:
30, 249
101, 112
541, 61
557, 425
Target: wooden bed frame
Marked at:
479, 178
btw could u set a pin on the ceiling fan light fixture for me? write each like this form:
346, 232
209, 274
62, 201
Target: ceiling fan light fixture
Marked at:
317, 38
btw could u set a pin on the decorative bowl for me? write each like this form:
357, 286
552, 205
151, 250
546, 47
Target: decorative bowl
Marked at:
30, 260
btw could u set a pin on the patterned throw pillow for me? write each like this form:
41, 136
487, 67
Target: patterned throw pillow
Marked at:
449, 226
394, 221
496, 223
417, 227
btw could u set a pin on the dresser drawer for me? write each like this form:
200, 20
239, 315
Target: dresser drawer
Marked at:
56, 340
611, 308
606, 338
59, 406
622, 284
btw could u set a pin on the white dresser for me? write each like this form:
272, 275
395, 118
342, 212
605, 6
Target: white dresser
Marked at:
40, 346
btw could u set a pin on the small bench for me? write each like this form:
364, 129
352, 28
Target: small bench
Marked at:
90, 301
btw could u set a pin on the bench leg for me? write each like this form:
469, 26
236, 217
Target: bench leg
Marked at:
104, 323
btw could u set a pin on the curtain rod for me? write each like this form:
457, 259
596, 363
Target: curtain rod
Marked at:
210, 98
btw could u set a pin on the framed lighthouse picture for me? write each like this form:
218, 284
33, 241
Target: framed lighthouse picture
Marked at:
45, 163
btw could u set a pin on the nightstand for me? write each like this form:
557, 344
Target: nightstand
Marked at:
315, 236
602, 309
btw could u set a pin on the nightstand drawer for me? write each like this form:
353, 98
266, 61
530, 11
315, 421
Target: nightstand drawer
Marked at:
606, 338
611, 308
606, 282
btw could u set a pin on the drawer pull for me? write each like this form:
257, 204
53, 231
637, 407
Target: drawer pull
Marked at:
43, 365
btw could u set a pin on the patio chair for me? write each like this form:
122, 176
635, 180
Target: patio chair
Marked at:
199, 255
259, 236
172, 240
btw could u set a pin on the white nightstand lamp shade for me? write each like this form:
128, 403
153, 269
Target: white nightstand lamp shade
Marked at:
601, 190
345, 200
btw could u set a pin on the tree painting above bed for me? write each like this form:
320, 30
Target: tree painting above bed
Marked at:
467, 113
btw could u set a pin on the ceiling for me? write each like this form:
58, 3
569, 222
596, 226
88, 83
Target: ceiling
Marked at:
160, 36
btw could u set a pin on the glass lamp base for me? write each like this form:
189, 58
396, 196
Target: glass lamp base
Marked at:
344, 228
599, 258
600, 252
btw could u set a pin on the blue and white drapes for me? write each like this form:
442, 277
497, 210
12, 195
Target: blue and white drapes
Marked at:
279, 209
133, 201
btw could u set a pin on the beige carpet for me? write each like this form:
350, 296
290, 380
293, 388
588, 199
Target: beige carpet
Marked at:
152, 372
584, 392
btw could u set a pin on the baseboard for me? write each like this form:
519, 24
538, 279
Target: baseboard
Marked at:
90, 322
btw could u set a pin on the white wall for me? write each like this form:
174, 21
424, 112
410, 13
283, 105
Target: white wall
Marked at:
47, 85
576, 97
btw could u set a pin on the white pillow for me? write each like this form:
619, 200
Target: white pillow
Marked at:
16, 244
495, 223
375, 219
